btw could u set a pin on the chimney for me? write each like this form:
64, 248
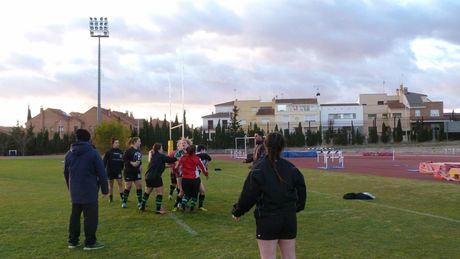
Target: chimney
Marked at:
402, 89
42, 113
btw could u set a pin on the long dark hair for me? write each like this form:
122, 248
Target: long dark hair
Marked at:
190, 150
274, 144
156, 147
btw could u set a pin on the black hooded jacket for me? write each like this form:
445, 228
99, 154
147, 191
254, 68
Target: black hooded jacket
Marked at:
269, 193
84, 173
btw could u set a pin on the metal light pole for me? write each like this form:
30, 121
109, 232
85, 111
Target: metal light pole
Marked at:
99, 28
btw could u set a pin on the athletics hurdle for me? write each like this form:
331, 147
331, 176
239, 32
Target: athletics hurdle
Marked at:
331, 155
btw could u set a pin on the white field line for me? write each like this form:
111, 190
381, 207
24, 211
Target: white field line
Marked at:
397, 208
325, 211
183, 225
382, 205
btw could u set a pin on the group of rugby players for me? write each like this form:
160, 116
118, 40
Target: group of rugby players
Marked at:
186, 164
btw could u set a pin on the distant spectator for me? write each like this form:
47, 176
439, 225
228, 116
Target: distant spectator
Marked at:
259, 149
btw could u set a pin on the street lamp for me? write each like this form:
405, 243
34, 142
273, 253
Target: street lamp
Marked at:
99, 28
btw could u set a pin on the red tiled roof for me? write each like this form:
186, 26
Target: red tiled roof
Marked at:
395, 105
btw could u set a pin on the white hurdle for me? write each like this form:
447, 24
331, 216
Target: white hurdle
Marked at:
330, 154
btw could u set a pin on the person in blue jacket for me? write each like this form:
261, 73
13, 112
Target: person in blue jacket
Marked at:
84, 174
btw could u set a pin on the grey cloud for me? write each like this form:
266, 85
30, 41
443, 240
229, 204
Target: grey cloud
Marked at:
27, 62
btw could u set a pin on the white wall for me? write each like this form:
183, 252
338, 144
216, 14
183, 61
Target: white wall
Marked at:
216, 120
352, 109
224, 108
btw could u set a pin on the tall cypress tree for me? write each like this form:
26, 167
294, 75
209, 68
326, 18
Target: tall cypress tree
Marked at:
29, 114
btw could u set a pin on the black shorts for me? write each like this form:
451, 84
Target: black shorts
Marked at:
154, 183
173, 178
132, 176
191, 187
114, 175
281, 226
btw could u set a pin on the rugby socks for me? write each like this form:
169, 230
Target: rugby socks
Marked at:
184, 201
201, 201
193, 203
178, 199
139, 195
171, 189
121, 196
144, 200
158, 201
125, 195
111, 197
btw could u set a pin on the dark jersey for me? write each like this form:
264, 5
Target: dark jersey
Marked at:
273, 192
132, 155
157, 165
113, 161
205, 158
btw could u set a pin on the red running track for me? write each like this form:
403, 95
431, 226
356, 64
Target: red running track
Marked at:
380, 166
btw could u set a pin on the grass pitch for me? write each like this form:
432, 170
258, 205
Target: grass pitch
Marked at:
409, 218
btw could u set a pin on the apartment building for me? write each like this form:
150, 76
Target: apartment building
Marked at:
290, 112
284, 113
342, 115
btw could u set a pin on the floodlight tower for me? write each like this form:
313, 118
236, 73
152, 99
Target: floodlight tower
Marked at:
99, 28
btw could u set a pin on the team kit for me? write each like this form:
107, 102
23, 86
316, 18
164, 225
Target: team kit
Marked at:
187, 164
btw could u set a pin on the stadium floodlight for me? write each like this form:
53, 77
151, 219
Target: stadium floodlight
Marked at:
99, 28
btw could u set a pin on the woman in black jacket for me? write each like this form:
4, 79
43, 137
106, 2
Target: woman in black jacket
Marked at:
157, 161
278, 190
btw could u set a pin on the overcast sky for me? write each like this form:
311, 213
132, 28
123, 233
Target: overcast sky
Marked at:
251, 49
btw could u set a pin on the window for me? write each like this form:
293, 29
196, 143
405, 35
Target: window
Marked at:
309, 118
61, 129
281, 107
210, 124
338, 116
224, 124
254, 109
385, 115
396, 115
372, 116
417, 113
243, 122
265, 121
380, 102
434, 113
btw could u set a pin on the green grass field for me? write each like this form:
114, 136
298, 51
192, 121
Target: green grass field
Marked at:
409, 218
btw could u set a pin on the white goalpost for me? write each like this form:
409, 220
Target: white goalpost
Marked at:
242, 144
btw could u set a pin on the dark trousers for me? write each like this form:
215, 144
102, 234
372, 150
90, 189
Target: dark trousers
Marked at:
191, 187
90, 215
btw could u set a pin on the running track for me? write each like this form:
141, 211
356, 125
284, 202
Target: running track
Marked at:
356, 163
